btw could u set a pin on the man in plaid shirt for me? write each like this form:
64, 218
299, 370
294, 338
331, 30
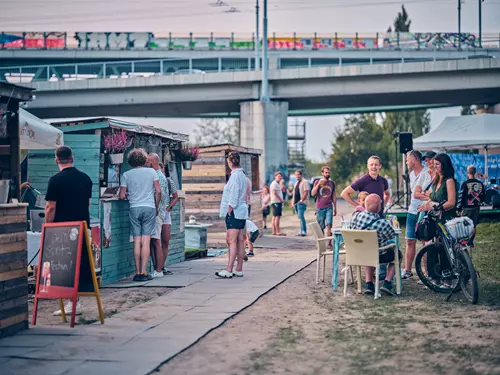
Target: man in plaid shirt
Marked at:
370, 220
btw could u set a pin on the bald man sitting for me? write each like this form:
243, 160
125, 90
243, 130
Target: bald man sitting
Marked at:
370, 220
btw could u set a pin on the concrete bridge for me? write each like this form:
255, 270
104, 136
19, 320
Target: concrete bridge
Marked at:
264, 124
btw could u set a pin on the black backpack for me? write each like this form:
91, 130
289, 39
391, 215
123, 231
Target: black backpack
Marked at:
426, 229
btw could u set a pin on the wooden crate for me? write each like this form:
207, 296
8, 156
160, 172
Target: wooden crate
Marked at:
13, 269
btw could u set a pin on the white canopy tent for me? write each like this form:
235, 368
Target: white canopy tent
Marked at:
36, 134
463, 133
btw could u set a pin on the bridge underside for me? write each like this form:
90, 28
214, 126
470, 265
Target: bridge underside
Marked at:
311, 106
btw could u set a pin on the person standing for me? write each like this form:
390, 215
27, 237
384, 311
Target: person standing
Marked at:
471, 197
419, 176
300, 199
371, 182
171, 201
68, 198
389, 183
276, 203
153, 161
144, 195
266, 201
235, 209
326, 201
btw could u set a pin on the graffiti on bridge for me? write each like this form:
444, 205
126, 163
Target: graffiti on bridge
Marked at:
430, 40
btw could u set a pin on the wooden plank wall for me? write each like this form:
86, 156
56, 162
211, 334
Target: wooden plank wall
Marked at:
13, 270
204, 185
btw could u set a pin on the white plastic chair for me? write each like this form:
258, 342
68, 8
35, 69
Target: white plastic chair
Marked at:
323, 251
361, 247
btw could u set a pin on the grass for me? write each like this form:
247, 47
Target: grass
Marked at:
418, 332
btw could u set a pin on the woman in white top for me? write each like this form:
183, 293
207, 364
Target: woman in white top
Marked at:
235, 209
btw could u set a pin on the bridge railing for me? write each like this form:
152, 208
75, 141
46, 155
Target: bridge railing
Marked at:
157, 67
232, 41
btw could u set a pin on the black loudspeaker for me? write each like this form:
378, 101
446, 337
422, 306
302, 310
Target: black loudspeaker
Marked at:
405, 142
495, 201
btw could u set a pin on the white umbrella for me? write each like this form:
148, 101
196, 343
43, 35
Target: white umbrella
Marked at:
36, 134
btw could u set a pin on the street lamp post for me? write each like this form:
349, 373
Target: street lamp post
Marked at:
480, 23
257, 57
264, 96
459, 18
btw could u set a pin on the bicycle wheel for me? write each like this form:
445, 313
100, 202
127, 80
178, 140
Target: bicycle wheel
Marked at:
468, 277
429, 270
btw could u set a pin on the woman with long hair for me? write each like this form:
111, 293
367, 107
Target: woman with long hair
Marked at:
266, 199
235, 209
444, 187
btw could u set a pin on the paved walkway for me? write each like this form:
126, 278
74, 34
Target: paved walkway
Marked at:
139, 340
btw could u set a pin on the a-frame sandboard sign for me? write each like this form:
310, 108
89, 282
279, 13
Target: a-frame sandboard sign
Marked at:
64, 270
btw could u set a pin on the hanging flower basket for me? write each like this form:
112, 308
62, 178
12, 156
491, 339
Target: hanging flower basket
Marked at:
188, 155
115, 145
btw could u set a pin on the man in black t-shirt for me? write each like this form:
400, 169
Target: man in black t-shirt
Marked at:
68, 198
471, 196
69, 191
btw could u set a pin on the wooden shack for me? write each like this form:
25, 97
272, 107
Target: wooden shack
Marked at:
204, 183
13, 255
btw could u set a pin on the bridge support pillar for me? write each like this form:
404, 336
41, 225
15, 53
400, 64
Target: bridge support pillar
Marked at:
264, 125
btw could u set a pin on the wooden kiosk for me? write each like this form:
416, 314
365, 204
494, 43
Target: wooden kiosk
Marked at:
205, 182
13, 255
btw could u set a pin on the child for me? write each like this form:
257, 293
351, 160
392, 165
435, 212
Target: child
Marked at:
252, 235
361, 201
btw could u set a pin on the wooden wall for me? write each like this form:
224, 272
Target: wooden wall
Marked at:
13, 269
204, 185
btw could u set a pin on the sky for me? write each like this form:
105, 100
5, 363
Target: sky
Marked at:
285, 16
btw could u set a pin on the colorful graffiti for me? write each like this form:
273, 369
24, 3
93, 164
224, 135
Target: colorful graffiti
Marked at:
33, 40
430, 40
140, 40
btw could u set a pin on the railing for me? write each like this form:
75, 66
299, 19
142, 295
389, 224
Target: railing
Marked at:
293, 41
147, 68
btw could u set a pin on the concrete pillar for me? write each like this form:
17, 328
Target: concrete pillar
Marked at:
264, 125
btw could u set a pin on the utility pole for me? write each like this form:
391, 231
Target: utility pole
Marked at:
480, 23
264, 96
257, 56
459, 18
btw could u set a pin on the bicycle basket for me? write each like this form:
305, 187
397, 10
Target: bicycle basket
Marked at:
460, 228
426, 229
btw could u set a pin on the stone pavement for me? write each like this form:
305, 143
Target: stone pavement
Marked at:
139, 340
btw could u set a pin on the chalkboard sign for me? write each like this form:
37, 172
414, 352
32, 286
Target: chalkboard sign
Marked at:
60, 250
66, 266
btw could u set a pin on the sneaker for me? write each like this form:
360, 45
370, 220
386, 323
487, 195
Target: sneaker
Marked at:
148, 276
245, 258
224, 274
250, 254
68, 308
166, 272
156, 274
140, 277
237, 274
386, 288
405, 275
369, 289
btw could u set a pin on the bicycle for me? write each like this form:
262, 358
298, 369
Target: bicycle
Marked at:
445, 266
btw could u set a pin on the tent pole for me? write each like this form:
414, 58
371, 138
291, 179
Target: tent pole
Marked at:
486, 162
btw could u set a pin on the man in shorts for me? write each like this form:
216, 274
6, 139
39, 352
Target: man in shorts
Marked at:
276, 203
326, 201
419, 176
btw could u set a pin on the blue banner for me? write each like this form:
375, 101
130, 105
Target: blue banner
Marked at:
462, 161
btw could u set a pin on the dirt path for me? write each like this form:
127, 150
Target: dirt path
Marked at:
304, 328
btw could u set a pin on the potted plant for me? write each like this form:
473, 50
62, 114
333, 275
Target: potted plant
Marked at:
115, 145
188, 155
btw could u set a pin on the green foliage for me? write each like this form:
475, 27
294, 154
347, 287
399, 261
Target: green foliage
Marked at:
312, 168
417, 122
217, 131
402, 22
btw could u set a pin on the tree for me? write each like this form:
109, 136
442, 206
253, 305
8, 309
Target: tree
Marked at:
402, 22
418, 122
217, 131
